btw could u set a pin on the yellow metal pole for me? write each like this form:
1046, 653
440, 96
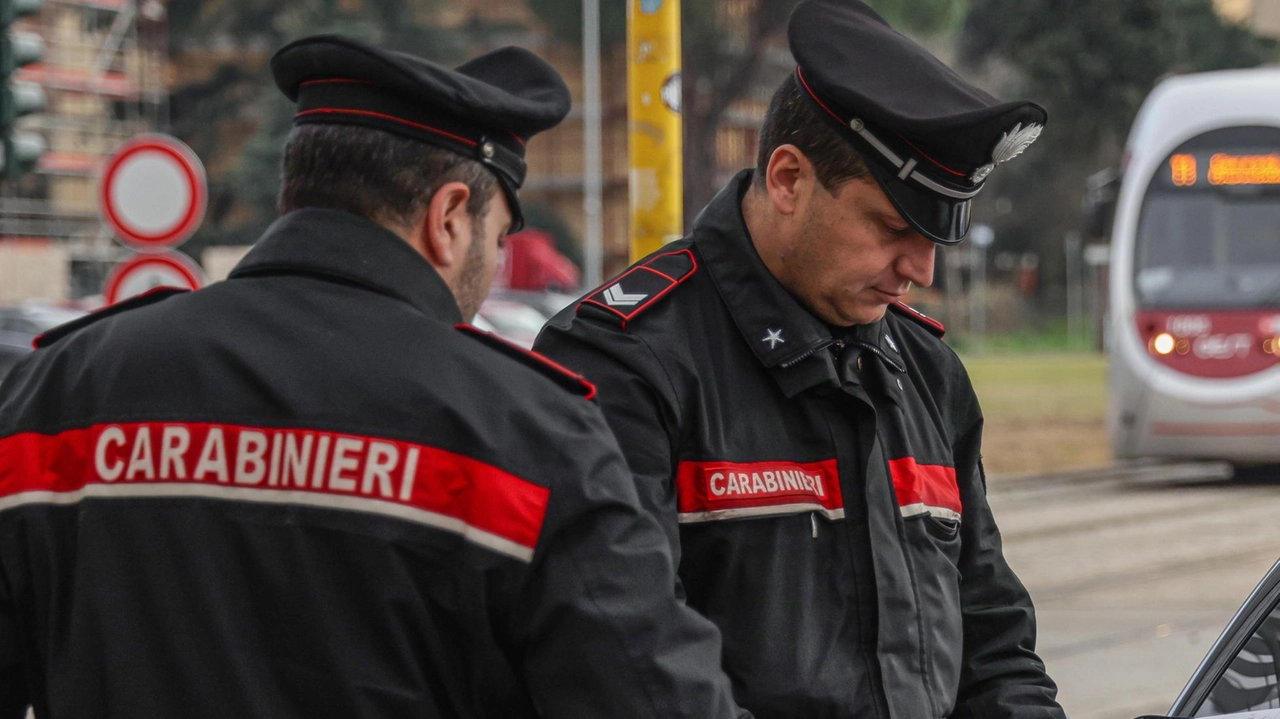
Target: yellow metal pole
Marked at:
655, 131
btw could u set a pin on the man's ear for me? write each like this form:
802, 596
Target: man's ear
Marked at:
443, 233
789, 178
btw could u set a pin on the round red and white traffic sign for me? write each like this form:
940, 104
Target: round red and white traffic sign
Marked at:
146, 272
153, 192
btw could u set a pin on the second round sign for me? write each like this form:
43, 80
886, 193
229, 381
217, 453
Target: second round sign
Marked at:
144, 273
153, 192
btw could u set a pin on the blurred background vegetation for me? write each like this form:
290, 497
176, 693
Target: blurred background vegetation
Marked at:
1089, 62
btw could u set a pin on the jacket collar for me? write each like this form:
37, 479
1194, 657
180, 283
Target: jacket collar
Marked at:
343, 246
787, 339
778, 329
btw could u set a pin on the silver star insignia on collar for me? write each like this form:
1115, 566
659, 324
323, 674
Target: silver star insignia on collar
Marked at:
773, 338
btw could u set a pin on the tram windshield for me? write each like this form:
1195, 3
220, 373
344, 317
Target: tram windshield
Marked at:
1209, 230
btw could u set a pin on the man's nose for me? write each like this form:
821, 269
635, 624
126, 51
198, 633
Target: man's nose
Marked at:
916, 261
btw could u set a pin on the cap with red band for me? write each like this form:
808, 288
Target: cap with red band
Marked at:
485, 109
929, 138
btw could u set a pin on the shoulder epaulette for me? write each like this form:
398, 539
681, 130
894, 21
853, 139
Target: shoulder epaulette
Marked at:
640, 287
546, 366
920, 318
149, 297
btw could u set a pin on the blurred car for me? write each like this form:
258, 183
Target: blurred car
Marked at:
548, 303
511, 320
1240, 676
19, 326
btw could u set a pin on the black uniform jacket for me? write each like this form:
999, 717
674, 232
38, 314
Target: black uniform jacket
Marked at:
303, 493
824, 495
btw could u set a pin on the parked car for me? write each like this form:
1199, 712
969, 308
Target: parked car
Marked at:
548, 303
513, 321
19, 326
1240, 677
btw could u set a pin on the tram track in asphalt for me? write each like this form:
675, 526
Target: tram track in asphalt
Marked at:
1134, 570
1128, 494
1125, 473
1138, 516
1151, 572
1133, 528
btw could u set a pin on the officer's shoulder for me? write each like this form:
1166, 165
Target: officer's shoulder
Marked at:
543, 365
149, 297
917, 318
641, 288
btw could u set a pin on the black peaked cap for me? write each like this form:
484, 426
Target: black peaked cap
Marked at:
486, 109
899, 105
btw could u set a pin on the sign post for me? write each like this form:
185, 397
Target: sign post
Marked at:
146, 271
655, 129
153, 192
153, 196
980, 238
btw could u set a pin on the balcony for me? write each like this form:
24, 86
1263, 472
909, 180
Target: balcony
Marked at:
115, 85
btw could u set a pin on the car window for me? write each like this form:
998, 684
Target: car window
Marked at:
1239, 674
1250, 681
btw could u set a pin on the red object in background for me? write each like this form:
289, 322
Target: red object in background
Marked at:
1213, 343
1028, 281
533, 263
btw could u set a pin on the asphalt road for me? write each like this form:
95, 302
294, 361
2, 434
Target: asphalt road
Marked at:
1135, 576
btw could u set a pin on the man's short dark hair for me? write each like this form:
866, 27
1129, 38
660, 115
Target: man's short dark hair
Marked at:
377, 175
793, 119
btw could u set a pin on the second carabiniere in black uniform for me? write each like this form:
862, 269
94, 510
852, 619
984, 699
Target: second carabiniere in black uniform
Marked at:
811, 445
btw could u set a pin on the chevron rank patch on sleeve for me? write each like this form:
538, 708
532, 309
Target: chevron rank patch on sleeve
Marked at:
640, 287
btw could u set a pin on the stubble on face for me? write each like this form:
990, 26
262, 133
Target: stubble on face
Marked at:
838, 257
812, 263
471, 284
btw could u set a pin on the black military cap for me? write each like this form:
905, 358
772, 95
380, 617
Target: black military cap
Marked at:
929, 137
485, 109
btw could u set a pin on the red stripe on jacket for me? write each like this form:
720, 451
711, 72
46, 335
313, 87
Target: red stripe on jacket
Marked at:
315, 464
932, 485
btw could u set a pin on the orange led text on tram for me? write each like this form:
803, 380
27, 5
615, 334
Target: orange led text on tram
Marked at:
1227, 169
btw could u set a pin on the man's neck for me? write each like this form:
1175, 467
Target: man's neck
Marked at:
762, 230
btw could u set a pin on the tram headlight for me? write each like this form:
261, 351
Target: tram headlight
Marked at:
1163, 343
1182, 347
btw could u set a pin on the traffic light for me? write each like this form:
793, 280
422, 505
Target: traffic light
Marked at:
17, 98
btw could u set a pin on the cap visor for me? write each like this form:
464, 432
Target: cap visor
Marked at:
944, 220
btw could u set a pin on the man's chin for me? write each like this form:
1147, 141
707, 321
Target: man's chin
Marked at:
863, 316
867, 313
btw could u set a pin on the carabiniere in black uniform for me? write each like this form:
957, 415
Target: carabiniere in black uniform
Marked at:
303, 492
823, 489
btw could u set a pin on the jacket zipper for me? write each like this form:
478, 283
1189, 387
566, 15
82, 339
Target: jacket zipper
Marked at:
834, 344
880, 353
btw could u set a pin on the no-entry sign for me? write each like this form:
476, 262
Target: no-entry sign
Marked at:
149, 271
153, 192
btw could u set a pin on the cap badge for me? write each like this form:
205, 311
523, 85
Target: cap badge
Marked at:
1017, 139
773, 338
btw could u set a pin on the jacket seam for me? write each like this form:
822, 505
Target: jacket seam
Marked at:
905, 543
675, 395
618, 638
